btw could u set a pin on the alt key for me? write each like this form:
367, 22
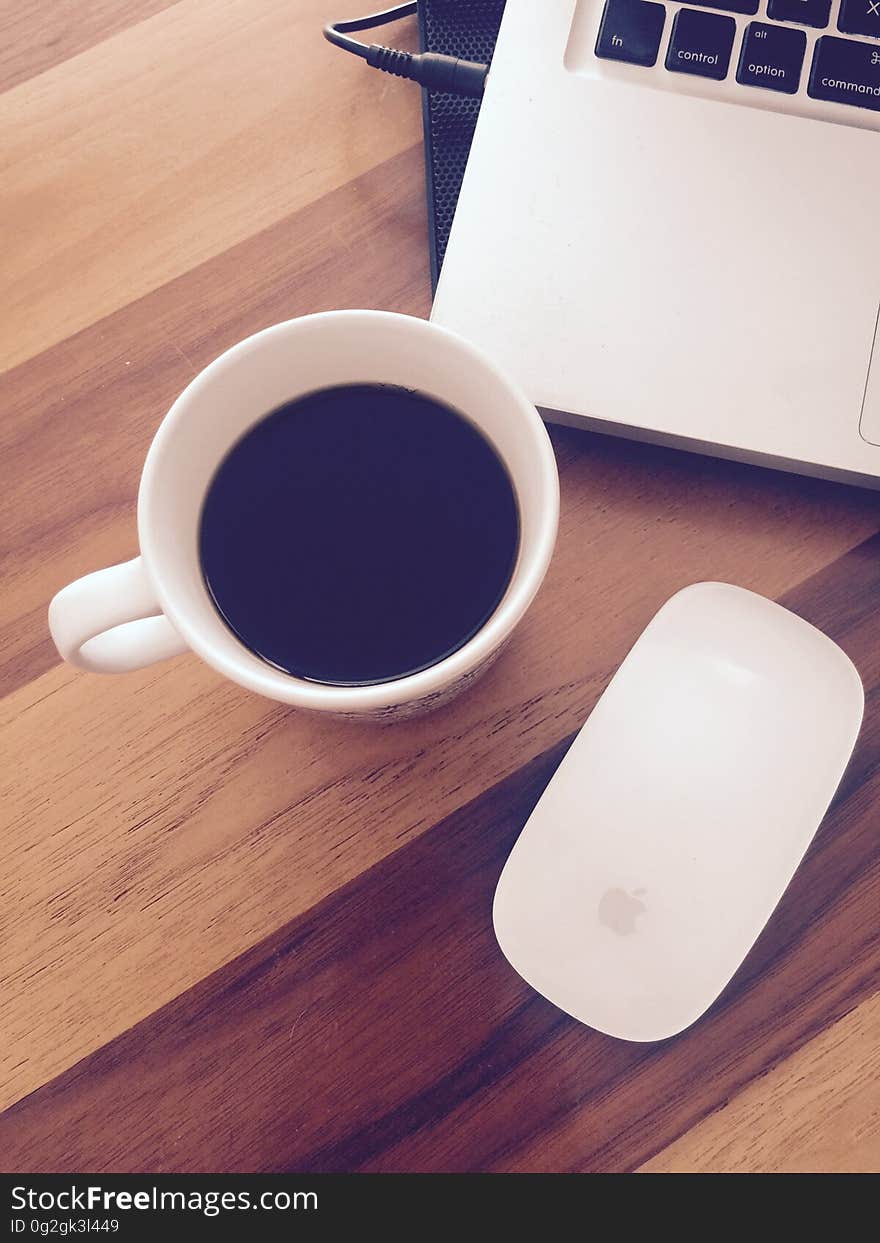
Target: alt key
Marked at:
772, 57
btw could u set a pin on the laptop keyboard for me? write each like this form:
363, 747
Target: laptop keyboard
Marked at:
823, 51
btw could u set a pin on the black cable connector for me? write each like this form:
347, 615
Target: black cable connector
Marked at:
429, 69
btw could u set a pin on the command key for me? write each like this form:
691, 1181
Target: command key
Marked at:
846, 72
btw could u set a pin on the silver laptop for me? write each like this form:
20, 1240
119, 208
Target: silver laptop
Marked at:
670, 224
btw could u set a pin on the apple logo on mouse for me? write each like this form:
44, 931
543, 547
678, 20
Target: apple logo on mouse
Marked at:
619, 910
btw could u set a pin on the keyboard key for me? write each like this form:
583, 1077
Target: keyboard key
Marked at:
749, 7
859, 17
846, 73
804, 12
772, 56
631, 30
700, 43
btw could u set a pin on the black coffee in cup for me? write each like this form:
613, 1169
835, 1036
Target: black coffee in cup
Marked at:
359, 534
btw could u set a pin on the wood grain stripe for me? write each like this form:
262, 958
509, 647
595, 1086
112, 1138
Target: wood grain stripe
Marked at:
818, 1112
383, 1029
206, 123
35, 35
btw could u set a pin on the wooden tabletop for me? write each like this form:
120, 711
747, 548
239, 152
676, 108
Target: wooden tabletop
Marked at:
237, 937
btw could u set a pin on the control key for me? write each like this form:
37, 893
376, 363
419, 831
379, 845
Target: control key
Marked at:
701, 43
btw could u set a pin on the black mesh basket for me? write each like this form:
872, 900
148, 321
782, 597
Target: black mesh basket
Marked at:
465, 28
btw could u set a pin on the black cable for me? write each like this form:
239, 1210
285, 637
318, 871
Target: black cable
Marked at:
336, 31
430, 69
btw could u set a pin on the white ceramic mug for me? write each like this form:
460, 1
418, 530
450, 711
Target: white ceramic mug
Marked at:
157, 605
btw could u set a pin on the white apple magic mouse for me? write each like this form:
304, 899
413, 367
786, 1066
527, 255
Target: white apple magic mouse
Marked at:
672, 827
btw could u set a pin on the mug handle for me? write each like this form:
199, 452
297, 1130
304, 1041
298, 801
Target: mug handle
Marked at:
111, 621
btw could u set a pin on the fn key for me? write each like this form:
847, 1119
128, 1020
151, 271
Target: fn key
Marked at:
631, 30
